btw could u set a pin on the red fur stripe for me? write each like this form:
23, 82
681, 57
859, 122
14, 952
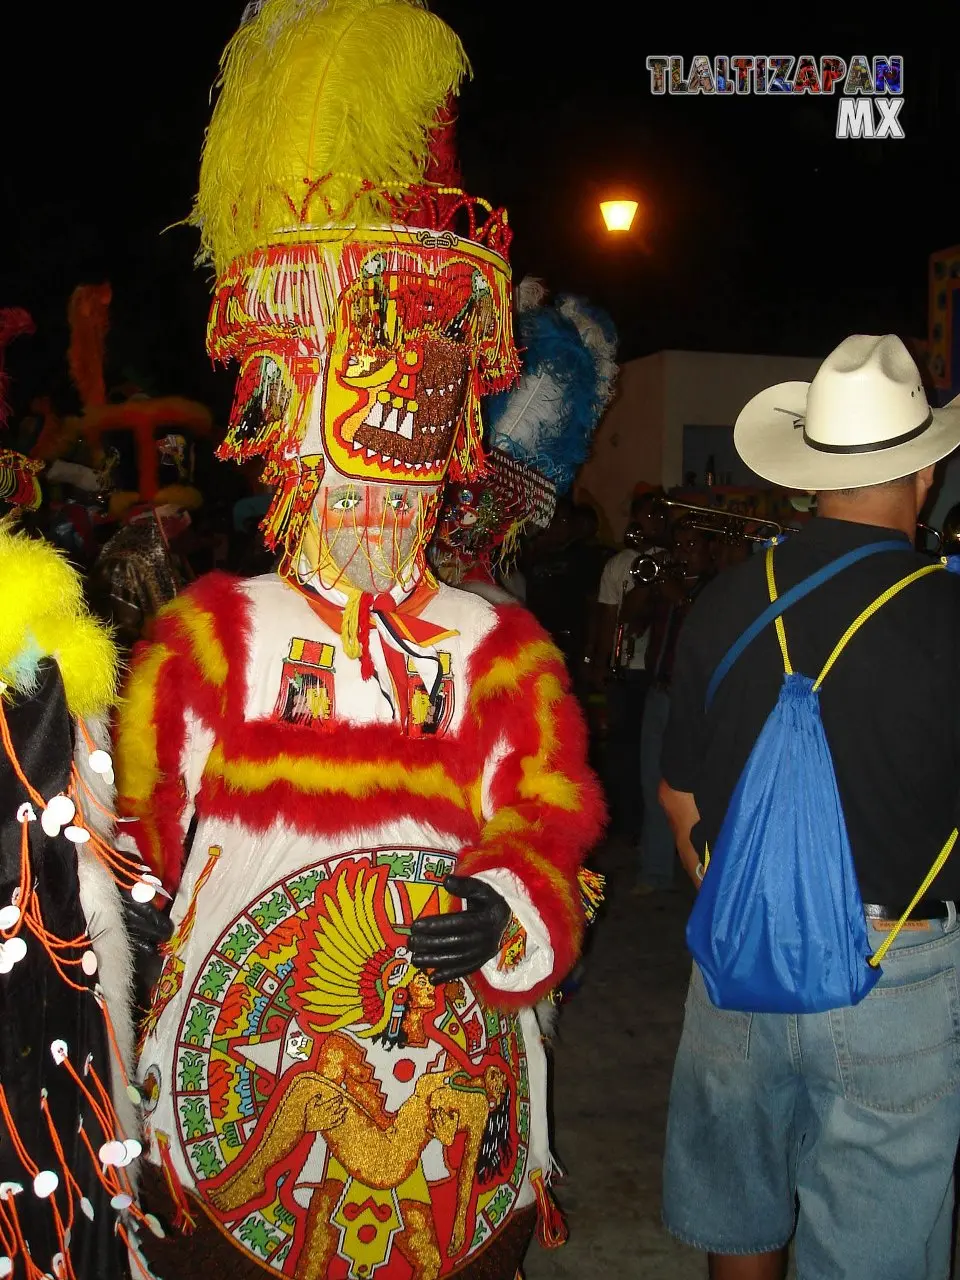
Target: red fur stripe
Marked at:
555, 896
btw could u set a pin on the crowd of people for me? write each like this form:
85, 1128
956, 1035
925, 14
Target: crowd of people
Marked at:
302, 766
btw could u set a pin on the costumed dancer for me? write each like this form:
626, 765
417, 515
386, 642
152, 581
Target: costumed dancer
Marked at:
539, 432
383, 779
140, 455
19, 485
69, 935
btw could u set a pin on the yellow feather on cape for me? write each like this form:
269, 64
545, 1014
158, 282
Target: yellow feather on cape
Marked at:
44, 616
318, 98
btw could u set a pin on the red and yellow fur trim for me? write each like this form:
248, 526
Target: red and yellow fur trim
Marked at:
183, 668
547, 809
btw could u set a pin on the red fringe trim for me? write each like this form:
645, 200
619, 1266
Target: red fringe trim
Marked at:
552, 1230
364, 625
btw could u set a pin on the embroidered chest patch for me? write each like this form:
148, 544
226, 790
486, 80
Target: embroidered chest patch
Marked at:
430, 716
307, 687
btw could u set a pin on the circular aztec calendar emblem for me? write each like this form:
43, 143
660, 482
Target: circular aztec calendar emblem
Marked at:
331, 1102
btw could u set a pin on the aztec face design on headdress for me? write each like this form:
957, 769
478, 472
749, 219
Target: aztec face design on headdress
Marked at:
378, 362
367, 306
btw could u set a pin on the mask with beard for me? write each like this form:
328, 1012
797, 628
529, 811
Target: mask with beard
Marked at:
362, 361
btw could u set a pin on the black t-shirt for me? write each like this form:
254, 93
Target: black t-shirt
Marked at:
890, 706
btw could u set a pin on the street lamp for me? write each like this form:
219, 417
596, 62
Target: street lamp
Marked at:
618, 214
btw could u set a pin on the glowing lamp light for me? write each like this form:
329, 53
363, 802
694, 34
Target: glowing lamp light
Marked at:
618, 214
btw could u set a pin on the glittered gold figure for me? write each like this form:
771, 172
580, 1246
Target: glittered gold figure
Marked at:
371, 1152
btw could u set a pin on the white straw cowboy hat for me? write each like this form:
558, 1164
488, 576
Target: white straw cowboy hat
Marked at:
864, 419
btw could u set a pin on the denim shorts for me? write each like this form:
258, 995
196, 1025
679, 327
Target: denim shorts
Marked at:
840, 1127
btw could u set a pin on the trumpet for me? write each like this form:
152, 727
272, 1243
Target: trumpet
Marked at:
724, 524
928, 531
651, 568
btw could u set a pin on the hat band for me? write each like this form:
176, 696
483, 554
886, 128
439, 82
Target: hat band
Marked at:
870, 448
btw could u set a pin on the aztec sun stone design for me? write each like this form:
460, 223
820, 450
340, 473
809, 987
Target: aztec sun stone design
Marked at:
342, 1116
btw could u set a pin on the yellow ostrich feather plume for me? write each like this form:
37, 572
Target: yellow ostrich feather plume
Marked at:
44, 616
310, 88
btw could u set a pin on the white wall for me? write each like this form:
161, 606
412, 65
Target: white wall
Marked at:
706, 388
641, 435
628, 445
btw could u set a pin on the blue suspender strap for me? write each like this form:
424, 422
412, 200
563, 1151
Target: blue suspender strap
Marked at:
782, 603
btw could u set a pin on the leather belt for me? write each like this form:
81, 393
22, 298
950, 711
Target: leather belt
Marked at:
926, 909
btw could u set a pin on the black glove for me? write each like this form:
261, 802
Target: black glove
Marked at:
453, 945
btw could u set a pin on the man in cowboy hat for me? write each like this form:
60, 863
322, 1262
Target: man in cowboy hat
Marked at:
837, 1130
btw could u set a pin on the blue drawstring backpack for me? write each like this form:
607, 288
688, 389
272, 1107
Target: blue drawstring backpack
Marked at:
778, 924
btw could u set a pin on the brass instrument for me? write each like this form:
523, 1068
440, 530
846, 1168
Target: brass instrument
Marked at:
723, 523
929, 531
950, 537
650, 568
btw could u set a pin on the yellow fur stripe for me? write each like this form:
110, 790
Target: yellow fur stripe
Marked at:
506, 822
320, 776
569, 894
474, 797
539, 781
137, 766
506, 673
207, 650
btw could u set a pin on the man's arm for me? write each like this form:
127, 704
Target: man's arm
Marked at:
682, 814
683, 744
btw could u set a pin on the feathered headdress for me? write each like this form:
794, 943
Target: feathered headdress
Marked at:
569, 374
326, 116
44, 616
14, 323
538, 434
330, 207
141, 416
88, 314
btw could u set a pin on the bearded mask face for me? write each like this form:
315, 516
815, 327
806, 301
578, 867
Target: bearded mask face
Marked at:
367, 536
362, 362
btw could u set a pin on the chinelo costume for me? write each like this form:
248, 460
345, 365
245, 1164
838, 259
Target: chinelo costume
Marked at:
539, 433
70, 929
137, 456
326, 764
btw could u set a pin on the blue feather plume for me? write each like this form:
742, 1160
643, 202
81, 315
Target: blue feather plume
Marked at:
569, 372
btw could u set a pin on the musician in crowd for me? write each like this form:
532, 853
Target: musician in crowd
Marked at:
668, 601
561, 569
615, 661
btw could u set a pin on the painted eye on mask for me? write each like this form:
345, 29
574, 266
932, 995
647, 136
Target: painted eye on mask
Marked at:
398, 502
345, 502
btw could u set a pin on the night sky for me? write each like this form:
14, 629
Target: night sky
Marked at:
760, 230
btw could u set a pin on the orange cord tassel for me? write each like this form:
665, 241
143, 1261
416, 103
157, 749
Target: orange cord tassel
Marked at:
552, 1230
591, 885
184, 1220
